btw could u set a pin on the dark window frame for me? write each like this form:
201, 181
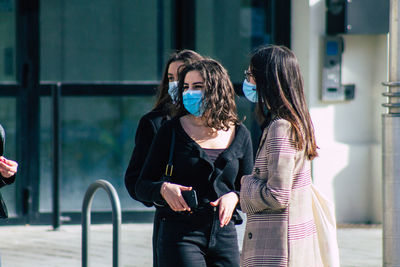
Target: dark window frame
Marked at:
28, 89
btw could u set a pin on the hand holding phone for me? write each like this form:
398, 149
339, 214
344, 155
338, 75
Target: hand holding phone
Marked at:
190, 198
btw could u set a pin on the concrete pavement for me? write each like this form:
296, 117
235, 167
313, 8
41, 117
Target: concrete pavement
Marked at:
34, 246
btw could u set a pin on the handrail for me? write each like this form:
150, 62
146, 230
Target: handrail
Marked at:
393, 97
116, 215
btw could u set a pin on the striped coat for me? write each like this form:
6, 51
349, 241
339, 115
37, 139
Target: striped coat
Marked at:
280, 229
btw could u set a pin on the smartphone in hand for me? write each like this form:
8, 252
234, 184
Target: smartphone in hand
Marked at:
190, 198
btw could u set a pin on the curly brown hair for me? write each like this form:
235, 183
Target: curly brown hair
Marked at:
164, 100
218, 101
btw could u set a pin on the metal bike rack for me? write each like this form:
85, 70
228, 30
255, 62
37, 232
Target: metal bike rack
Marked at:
116, 215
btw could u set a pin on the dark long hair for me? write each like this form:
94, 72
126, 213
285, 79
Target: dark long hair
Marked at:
280, 89
219, 96
164, 100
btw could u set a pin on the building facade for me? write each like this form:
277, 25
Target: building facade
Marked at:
105, 59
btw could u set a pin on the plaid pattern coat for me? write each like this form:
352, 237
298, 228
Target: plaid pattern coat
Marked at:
280, 229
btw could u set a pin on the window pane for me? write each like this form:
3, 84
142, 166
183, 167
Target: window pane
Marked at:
97, 142
227, 30
108, 40
7, 41
8, 121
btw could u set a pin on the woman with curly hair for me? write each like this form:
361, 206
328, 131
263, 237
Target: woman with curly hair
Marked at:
152, 121
212, 151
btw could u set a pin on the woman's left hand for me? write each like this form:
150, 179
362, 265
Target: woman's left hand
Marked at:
227, 204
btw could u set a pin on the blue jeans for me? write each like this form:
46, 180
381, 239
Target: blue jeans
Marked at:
196, 240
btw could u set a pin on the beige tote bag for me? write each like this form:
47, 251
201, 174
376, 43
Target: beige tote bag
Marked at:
325, 221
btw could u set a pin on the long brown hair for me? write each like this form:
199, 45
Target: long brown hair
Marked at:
280, 89
164, 100
218, 100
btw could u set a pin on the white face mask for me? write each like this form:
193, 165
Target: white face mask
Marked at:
173, 90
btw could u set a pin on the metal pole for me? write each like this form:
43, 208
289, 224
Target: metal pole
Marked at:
56, 155
116, 215
391, 147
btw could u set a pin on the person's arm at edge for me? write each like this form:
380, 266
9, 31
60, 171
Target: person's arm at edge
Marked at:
144, 137
8, 168
149, 183
6, 181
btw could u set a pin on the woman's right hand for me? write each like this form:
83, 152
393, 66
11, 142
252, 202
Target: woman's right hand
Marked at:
8, 167
172, 193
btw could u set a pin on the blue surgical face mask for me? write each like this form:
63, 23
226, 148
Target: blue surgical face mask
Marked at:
250, 91
192, 100
173, 90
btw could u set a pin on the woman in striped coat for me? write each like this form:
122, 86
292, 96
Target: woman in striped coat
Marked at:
280, 229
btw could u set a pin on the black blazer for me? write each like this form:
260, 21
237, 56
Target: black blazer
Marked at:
4, 181
148, 126
192, 167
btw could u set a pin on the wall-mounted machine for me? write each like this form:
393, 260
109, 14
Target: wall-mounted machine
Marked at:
332, 88
348, 17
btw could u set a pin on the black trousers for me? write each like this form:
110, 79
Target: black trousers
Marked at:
196, 240
156, 225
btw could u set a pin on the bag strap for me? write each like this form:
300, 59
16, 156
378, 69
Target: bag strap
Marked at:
170, 167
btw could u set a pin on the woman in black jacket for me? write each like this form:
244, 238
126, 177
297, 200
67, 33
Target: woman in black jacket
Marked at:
212, 152
151, 122
8, 169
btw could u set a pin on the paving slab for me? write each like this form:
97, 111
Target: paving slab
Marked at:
34, 246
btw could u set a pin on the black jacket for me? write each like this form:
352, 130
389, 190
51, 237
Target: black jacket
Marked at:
192, 167
3, 181
6, 181
145, 133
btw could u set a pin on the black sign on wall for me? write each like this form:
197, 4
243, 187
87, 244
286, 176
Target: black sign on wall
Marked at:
357, 17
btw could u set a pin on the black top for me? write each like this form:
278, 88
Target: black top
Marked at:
192, 166
145, 133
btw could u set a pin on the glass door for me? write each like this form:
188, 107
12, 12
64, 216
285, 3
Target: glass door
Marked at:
108, 56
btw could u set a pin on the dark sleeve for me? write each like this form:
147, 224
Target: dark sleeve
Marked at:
145, 134
149, 183
6, 181
245, 164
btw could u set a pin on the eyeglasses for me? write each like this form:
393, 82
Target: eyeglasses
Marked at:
247, 75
